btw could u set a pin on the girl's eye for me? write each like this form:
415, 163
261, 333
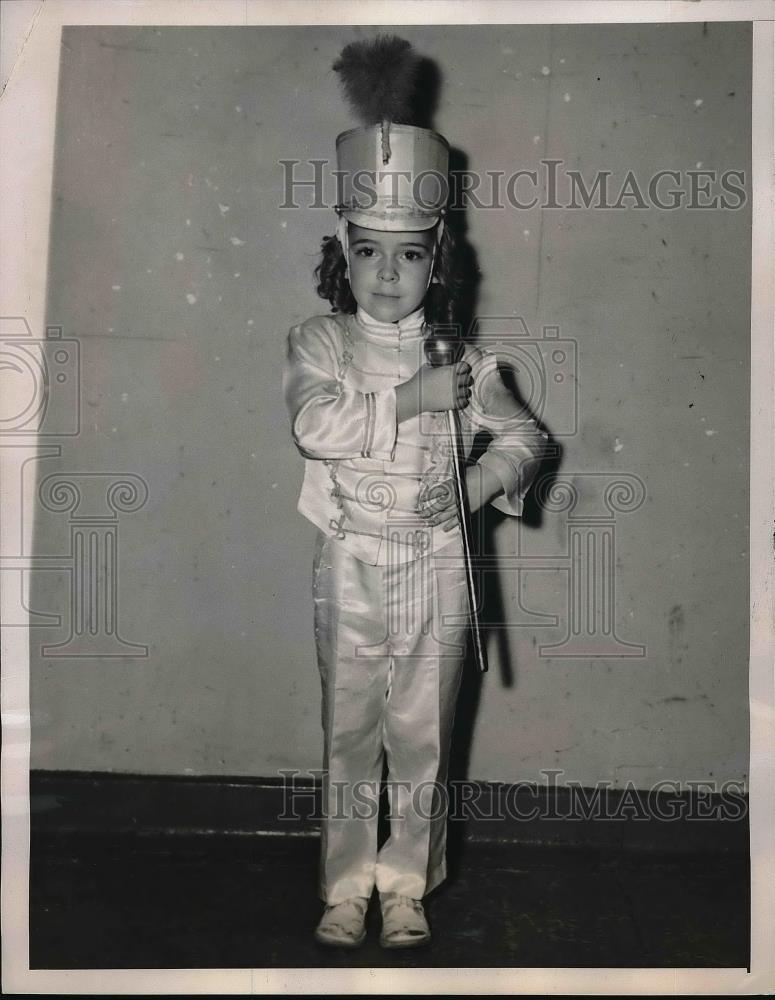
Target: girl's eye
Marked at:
411, 256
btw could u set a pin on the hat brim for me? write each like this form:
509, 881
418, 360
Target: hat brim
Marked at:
392, 222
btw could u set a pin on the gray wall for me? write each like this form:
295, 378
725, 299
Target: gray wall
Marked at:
173, 267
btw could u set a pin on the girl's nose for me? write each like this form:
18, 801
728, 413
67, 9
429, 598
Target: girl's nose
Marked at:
387, 272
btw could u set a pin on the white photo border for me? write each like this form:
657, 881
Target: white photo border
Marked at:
27, 120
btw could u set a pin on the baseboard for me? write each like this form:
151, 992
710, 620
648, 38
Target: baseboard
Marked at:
76, 803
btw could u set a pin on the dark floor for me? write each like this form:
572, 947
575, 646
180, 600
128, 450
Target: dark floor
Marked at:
251, 903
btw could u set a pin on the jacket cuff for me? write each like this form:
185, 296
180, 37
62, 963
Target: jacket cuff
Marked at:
510, 501
381, 427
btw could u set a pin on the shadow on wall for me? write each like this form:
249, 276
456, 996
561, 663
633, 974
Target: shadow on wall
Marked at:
491, 596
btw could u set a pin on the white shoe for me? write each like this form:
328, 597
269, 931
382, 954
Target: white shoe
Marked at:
344, 924
403, 921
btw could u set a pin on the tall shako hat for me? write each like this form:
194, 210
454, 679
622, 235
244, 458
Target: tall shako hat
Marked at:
403, 167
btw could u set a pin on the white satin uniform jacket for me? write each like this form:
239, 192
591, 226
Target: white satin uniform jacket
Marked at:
391, 605
363, 472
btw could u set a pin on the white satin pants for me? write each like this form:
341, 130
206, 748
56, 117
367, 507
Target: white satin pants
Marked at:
390, 643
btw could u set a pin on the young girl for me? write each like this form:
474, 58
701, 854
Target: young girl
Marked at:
391, 607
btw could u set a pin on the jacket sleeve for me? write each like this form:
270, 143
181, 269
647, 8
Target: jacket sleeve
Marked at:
517, 444
329, 421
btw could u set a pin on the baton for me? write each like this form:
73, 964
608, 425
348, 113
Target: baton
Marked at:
444, 350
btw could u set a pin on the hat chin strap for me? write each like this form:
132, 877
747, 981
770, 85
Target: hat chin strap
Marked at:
436, 243
344, 242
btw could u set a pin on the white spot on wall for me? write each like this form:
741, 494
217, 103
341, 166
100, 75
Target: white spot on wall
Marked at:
526, 234
710, 433
188, 222
124, 397
698, 103
116, 288
217, 357
698, 164
236, 241
283, 225
618, 444
238, 108
562, 62
179, 256
545, 70
238, 274
223, 209
536, 139
566, 97
191, 299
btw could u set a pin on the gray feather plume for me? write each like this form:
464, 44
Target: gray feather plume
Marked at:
379, 78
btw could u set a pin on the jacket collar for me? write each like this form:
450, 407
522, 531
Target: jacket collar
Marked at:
408, 328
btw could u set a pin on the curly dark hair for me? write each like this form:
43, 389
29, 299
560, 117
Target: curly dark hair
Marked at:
442, 299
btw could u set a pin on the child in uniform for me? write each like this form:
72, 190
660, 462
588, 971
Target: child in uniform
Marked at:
368, 415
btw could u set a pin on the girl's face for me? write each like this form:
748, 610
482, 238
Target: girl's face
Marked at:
389, 271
